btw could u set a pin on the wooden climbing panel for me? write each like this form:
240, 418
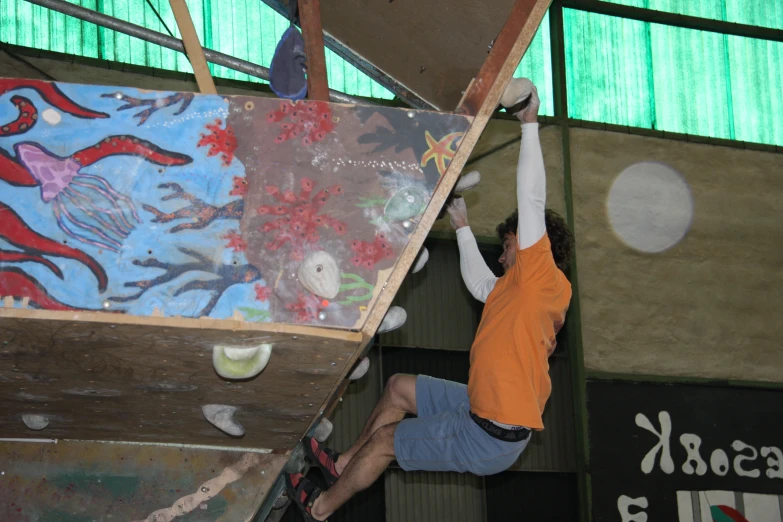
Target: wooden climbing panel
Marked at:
86, 481
140, 229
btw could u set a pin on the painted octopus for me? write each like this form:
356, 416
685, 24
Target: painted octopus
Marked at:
68, 189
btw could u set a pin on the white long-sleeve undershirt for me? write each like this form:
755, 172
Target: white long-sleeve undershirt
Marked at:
531, 188
477, 276
531, 203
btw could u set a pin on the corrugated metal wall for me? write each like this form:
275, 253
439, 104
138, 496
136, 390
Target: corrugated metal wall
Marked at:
513, 496
431, 497
554, 449
441, 312
352, 413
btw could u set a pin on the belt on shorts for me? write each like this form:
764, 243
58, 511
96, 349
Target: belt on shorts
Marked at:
500, 433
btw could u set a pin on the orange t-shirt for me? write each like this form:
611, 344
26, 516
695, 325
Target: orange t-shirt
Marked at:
509, 367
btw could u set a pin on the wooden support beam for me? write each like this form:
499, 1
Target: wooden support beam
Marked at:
193, 47
310, 18
515, 37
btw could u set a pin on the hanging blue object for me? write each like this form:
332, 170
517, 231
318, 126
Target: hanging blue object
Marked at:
287, 71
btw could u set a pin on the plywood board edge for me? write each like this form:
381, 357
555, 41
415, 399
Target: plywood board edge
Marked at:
229, 325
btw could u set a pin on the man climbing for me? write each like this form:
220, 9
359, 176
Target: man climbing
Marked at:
484, 426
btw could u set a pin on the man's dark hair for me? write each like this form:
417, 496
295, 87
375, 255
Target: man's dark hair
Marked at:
560, 235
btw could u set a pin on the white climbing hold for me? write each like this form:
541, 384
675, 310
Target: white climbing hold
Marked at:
34, 421
323, 430
222, 417
516, 91
319, 274
421, 260
239, 362
360, 370
468, 181
395, 317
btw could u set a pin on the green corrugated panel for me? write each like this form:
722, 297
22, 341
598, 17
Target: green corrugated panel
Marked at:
756, 87
764, 13
690, 73
247, 29
537, 65
607, 69
638, 74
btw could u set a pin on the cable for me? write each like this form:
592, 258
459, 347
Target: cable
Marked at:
159, 18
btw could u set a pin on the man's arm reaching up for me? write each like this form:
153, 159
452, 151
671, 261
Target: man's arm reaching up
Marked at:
477, 276
531, 178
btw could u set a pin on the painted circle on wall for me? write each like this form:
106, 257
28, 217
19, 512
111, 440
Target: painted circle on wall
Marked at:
650, 207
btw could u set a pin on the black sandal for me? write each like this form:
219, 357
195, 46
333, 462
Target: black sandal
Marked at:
303, 493
324, 458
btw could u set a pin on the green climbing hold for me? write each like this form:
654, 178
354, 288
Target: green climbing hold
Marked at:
407, 203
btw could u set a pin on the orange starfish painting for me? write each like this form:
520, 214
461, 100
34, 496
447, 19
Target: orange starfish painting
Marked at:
440, 150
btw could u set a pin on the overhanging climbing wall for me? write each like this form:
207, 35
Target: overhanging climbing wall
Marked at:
140, 229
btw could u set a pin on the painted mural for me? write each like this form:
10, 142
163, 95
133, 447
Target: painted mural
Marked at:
174, 204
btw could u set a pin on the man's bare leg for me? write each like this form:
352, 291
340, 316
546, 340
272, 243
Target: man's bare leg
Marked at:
364, 468
399, 398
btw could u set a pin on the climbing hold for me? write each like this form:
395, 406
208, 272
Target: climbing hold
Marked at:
360, 369
468, 181
319, 274
239, 362
222, 417
395, 318
406, 203
323, 430
421, 259
34, 421
517, 91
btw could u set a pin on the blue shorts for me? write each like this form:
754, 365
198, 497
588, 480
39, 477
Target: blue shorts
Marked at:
444, 438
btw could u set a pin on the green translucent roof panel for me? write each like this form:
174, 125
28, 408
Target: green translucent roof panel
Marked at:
763, 13
633, 73
247, 29
537, 66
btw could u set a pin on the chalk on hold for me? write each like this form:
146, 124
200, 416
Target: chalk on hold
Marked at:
421, 260
517, 91
360, 369
319, 274
222, 417
468, 181
395, 317
34, 421
323, 430
239, 362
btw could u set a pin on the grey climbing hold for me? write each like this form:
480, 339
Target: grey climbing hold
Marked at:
238, 362
406, 203
395, 317
468, 181
360, 369
421, 260
319, 274
222, 417
34, 421
323, 430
